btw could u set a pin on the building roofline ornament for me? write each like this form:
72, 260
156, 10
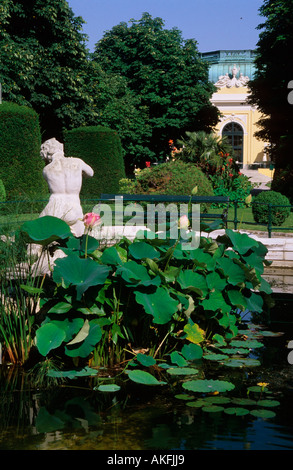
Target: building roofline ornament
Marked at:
230, 81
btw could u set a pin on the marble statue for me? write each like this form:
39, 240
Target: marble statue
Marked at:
64, 178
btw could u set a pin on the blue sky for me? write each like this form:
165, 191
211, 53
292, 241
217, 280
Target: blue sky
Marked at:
215, 24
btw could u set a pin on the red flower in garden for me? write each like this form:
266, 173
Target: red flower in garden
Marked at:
147, 164
230, 174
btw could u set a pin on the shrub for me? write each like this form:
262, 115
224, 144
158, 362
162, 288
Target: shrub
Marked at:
2, 192
126, 186
173, 178
260, 208
236, 186
20, 162
100, 147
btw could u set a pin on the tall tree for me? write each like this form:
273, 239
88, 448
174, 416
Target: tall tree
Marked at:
118, 107
168, 75
44, 62
269, 88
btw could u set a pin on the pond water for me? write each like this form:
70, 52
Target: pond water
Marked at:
75, 417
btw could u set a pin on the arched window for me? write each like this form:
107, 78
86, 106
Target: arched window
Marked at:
234, 134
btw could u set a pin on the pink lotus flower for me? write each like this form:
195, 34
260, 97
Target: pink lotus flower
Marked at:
91, 219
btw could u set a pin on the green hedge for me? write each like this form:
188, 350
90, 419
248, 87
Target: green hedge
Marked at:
2, 192
20, 162
99, 147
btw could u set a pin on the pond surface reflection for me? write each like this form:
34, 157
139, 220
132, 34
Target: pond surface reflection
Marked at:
76, 417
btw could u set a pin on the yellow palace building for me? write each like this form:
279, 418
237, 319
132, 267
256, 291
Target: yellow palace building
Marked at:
230, 72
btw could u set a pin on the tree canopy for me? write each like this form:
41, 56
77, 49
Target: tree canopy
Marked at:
168, 75
44, 62
269, 88
143, 81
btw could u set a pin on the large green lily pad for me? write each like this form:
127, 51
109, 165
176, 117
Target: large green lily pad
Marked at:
159, 304
208, 386
45, 230
80, 272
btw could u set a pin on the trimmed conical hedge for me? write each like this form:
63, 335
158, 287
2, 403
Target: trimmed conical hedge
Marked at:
99, 147
20, 162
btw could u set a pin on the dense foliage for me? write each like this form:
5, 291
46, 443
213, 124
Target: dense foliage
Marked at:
280, 208
44, 62
269, 88
20, 162
173, 178
168, 75
2, 191
154, 295
99, 147
214, 156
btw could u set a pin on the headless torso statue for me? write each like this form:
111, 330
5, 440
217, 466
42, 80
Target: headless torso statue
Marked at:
64, 178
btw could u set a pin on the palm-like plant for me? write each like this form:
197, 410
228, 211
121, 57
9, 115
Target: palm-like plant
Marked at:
205, 150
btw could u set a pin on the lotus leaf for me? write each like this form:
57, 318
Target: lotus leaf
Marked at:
176, 358
215, 281
237, 299
72, 374
80, 245
215, 302
216, 357
243, 362
182, 371
208, 386
249, 343
81, 273
145, 360
137, 274
196, 404
85, 348
49, 337
142, 377
70, 326
143, 250
191, 281
268, 403
159, 304
255, 303
212, 409
82, 334
111, 256
183, 396
263, 413
45, 230
237, 411
231, 270
192, 351
60, 307
108, 388
194, 333
241, 241
202, 259
217, 399
243, 401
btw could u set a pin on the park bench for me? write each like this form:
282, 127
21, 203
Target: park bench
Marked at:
219, 201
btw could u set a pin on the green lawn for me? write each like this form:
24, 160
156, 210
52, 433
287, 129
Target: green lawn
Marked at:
246, 221
244, 216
